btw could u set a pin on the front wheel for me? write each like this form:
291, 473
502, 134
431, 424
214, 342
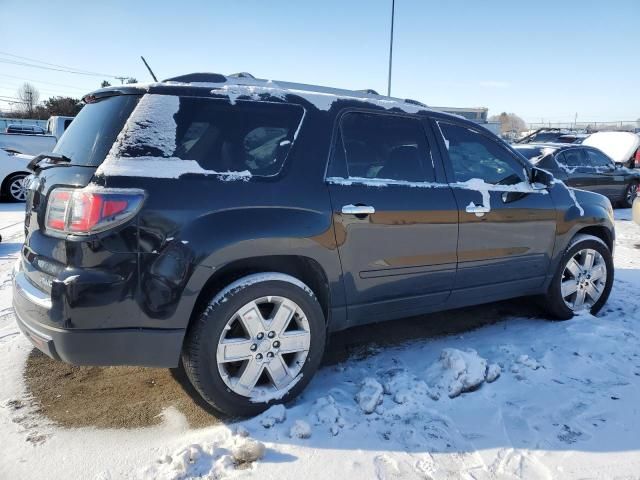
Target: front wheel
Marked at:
584, 278
258, 342
630, 194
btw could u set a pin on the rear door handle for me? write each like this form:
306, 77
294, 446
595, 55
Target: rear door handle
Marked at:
358, 210
479, 210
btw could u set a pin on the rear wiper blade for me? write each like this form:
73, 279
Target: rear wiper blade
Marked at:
54, 158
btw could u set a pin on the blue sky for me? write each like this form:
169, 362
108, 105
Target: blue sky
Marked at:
540, 59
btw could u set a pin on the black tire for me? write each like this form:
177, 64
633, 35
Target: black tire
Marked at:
553, 301
8, 190
201, 342
630, 194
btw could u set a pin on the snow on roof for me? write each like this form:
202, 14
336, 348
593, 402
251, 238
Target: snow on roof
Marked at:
620, 146
320, 96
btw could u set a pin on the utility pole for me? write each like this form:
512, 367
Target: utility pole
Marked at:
122, 79
393, 10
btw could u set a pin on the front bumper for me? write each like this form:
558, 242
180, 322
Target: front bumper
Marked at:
151, 347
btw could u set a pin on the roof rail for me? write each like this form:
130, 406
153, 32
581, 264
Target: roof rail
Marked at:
198, 77
414, 102
370, 91
241, 75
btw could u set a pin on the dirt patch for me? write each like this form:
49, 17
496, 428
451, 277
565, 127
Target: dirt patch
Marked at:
110, 397
131, 397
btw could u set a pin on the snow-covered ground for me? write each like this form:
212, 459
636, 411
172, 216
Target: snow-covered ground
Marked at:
521, 398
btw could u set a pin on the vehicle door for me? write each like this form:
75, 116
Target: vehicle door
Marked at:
610, 179
507, 227
579, 171
396, 227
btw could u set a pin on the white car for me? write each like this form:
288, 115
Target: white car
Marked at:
33, 143
13, 171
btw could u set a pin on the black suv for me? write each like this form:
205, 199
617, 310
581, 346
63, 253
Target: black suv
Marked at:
229, 223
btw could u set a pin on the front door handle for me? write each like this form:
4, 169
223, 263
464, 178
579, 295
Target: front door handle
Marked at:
358, 210
479, 210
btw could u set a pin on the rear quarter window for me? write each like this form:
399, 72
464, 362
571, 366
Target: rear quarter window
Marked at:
219, 136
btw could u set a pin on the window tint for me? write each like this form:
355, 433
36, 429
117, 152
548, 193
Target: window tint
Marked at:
597, 159
474, 155
88, 139
572, 158
253, 136
386, 147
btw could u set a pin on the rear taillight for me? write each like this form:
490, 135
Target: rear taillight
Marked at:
636, 159
90, 210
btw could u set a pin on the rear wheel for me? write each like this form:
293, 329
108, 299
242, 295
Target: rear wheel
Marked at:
630, 194
258, 342
15, 188
584, 278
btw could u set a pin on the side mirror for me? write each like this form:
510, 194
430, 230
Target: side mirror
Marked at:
540, 179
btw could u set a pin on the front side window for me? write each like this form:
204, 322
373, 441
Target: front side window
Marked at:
597, 159
474, 155
383, 147
220, 137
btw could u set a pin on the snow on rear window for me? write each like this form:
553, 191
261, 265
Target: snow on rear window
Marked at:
180, 135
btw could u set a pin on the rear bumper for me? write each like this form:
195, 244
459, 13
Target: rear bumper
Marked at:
110, 346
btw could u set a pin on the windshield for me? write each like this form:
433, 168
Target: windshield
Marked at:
90, 136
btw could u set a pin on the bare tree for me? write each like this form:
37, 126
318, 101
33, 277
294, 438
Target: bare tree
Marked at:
509, 122
29, 96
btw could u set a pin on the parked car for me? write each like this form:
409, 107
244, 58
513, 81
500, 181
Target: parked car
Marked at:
229, 224
33, 143
13, 171
551, 135
587, 168
622, 147
29, 129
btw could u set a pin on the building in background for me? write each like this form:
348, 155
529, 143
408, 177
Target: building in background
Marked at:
477, 114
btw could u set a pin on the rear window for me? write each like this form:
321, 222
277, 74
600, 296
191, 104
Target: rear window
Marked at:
219, 136
90, 137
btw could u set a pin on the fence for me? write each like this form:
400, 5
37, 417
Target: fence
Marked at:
626, 125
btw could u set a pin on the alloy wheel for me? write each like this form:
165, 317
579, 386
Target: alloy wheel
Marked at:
263, 347
632, 192
18, 189
583, 279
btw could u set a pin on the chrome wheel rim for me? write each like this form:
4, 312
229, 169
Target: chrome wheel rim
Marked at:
632, 192
583, 279
17, 189
263, 348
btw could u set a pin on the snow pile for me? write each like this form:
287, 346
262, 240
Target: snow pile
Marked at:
460, 371
275, 414
370, 395
300, 429
325, 411
247, 450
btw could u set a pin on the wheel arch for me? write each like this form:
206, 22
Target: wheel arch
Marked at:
599, 231
306, 269
5, 181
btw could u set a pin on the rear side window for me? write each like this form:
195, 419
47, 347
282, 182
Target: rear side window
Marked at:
572, 158
474, 155
90, 137
386, 147
220, 137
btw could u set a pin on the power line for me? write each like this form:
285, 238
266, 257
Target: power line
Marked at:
42, 81
65, 67
25, 64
